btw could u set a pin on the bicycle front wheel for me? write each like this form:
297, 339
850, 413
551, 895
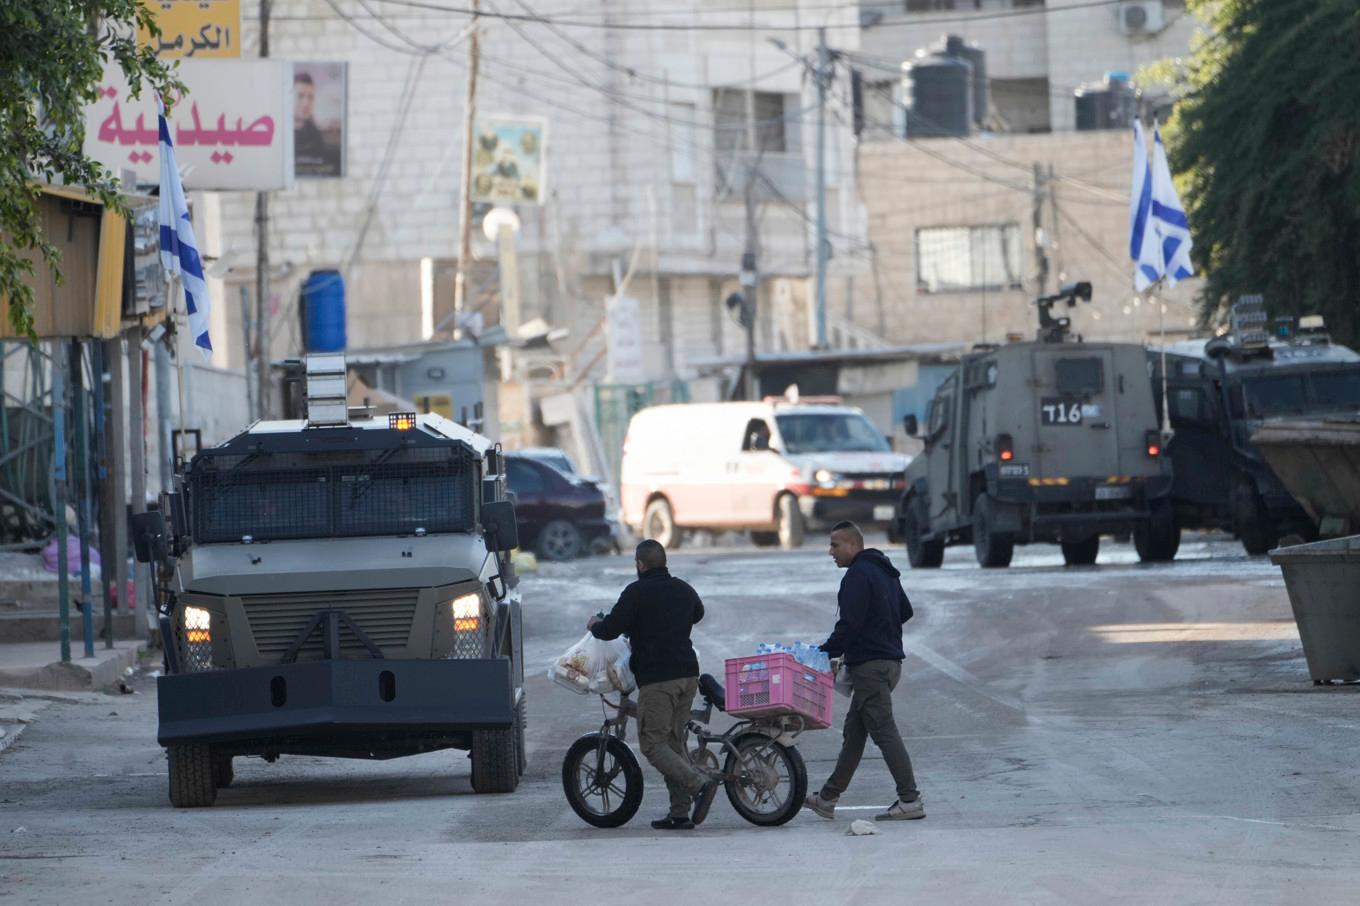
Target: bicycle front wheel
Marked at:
770, 780
603, 780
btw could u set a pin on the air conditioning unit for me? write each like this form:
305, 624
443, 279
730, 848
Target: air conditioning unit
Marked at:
1140, 17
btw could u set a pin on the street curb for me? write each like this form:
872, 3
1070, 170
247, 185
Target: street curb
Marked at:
82, 675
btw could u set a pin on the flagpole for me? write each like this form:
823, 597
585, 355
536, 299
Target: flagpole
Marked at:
1161, 331
180, 314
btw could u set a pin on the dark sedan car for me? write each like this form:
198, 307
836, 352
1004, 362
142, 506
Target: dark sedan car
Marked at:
559, 516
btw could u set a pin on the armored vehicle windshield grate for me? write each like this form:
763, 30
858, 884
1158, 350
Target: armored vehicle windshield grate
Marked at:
319, 495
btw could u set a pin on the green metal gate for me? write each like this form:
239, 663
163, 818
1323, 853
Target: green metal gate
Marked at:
615, 405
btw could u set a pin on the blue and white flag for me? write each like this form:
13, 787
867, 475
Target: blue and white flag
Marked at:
179, 250
1168, 214
1144, 247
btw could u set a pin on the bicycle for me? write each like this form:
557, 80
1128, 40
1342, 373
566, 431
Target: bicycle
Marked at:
763, 773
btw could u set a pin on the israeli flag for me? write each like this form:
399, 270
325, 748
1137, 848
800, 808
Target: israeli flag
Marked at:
179, 250
1144, 247
1168, 215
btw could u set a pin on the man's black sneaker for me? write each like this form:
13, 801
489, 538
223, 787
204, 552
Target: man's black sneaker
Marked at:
703, 801
671, 823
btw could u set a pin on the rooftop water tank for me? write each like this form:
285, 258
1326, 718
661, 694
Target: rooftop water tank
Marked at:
956, 46
938, 92
1111, 103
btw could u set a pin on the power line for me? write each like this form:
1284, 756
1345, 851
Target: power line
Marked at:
537, 19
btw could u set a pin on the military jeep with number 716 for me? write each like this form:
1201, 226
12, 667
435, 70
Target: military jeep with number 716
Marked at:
1054, 440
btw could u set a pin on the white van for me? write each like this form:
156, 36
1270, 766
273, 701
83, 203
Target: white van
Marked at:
773, 468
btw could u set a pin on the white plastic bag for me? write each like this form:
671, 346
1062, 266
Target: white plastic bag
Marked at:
841, 674
594, 665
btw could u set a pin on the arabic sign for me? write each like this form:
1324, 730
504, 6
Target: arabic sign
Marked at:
508, 160
319, 119
196, 28
623, 339
230, 133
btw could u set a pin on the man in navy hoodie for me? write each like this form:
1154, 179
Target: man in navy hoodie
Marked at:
868, 640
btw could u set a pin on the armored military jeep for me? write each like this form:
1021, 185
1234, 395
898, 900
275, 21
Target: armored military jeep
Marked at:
1054, 440
339, 586
1220, 392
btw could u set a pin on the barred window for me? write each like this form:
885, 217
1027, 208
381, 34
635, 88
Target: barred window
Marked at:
968, 258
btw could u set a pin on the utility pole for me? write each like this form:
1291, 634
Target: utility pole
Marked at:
465, 201
750, 277
262, 333
823, 79
1040, 237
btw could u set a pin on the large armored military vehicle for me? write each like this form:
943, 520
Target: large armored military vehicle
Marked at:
1221, 392
1053, 440
338, 586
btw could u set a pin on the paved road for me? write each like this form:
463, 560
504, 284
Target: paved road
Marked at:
1111, 734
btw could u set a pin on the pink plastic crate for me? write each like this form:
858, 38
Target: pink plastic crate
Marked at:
762, 685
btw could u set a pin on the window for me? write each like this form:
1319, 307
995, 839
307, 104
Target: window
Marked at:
1267, 396
1333, 389
1189, 405
960, 259
832, 431
683, 142
757, 435
523, 477
1080, 377
778, 144
938, 417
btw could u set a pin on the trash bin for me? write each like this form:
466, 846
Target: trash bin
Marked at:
1323, 579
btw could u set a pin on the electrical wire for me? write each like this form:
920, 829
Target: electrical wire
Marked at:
714, 27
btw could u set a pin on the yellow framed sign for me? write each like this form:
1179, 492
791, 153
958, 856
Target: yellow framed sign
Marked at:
196, 28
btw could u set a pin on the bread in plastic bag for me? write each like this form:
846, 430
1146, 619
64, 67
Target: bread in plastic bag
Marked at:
594, 665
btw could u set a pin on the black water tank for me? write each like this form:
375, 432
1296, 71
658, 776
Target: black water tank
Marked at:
938, 91
1108, 104
956, 46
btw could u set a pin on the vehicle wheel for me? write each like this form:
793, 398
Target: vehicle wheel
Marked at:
658, 523
495, 763
1159, 538
521, 724
191, 776
603, 785
559, 540
993, 549
921, 554
1251, 519
223, 774
765, 539
1081, 553
791, 527
773, 780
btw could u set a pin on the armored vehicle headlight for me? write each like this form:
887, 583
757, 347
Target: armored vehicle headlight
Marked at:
197, 625
401, 421
467, 613
824, 475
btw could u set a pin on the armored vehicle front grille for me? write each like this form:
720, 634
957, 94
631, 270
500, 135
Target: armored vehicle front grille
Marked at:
384, 615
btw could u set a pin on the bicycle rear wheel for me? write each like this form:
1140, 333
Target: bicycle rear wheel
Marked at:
771, 780
603, 780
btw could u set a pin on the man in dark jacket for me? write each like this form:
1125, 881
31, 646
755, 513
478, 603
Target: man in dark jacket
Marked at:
868, 640
656, 613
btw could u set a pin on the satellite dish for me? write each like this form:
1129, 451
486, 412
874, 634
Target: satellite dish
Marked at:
495, 219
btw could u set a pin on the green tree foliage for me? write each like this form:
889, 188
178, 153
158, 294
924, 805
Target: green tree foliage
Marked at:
52, 57
1266, 143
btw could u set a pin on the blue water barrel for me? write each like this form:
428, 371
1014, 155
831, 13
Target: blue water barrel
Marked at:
323, 307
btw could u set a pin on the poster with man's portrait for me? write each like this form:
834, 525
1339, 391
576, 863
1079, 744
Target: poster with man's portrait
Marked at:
319, 94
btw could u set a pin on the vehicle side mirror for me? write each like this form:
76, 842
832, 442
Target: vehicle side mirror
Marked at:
149, 541
910, 426
498, 524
